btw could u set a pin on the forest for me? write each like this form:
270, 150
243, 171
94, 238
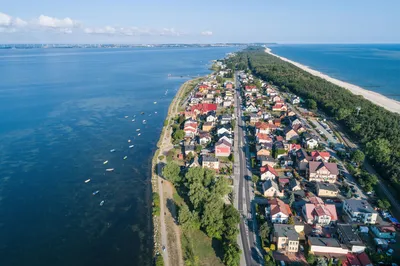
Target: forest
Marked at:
376, 129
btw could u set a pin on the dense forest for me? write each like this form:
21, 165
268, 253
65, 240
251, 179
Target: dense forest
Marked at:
375, 128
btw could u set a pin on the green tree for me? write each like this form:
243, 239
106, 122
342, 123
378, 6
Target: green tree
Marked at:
212, 219
232, 254
291, 220
159, 261
220, 79
379, 150
384, 204
357, 156
178, 135
310, 259
188, 219
311, 104
264, 230
231, 221
171, 172
156, 204
199, 148
321, 261
291, 199
255, 179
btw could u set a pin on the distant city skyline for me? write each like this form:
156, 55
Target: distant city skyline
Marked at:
178, 21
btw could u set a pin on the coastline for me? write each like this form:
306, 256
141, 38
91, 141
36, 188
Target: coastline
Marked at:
374, 97
160, 227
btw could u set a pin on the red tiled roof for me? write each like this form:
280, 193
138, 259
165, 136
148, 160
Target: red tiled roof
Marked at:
318, 208
315, 166
263, 125
278, 206
263, 136
364, 259
323, 154
266, 168
204, 107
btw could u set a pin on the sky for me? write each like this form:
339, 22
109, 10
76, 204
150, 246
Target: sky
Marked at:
205, 21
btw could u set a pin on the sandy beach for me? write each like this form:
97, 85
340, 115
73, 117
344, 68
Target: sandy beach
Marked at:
376, 98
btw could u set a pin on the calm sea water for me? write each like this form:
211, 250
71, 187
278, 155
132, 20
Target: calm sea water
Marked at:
373, 67
61, 112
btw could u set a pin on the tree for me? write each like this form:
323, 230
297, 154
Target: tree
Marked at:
310, 259
159, 261
321, 261
264, 230
291, 199
188, 219
232, 254
379, 150
357, 156
255, 179
178, 135
156, 204
384, 204
311, 104
212, 219
171, 172
272, 247
231, 220
291, 220
199, 148
220, 79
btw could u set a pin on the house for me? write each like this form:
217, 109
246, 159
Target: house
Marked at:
286, 238
204, 138
276, 99
189, 149
254, 118
293, 120
210, 162
279, 107
222, 148
357, 260
285, 160
309, 142
227, 103
208, 126
211, 118
294, 184
264, 128
317, 212
203, 108
224, 129
190, 128
195, 100
194, 162
263, 150
327, 190
251, 108
203, 88
290, 133
263, 138
302, 159
385, 232
326, 246
295, 100
228, 85
322, 171
360, 211
225, 119
251, 88
267, 160
278, 211
277, 122
299, 129
268, 172
320, 156
347, 235
226, 138
271, 189
218, 100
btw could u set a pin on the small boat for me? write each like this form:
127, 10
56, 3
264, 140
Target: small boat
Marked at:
109, 169
144, 121
142, 113
134, 116
139, 134
155, 112
87, 180
129, 140
96, 192
138, 129
131, 146
155, 102
113, 150
125, 157
105, 162
133, 120
102, 203
149, 114
126, 116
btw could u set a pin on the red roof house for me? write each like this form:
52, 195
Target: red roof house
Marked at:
223, 148
267, 172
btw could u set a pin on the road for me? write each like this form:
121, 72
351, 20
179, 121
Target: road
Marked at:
248, 224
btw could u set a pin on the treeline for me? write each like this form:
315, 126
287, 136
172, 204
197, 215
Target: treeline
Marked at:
376, 129
204, 208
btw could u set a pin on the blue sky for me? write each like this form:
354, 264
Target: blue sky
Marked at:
206, 21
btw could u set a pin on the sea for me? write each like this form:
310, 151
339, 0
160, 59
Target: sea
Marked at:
62, 112
374, 67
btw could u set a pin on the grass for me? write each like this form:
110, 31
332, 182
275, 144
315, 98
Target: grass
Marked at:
198, 246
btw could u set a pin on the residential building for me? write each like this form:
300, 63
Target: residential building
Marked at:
294, 184
268, 172
204, 138
320, 156
326, 246
317, 212
360, 211
271, 189
347, 235
286, 238
322, 171
210, 162
222, 148
267, 160
278, 211
190, 129
327, 190
290, 134
227, 128
189, 149
225, 119
361, 259
302, 159
211, 118
208, 126
263, 150
263, 138
295, 100
254, 118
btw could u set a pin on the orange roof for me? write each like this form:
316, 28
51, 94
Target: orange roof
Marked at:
278, 206
268, 168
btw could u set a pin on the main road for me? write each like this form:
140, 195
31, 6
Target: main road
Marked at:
245, 192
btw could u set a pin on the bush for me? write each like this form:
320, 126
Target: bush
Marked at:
161, 157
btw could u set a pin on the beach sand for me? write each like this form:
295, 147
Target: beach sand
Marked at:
374, 97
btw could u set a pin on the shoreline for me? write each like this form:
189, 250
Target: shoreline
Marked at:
374, 97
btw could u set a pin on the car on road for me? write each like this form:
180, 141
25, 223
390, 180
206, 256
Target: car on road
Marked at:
163, 248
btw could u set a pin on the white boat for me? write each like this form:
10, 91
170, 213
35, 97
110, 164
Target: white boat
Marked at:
155, 112
113, 150
129, 140
144, 121
131, 146
109, 169
133, 120
139, 134
126, 116
138, 129
96, 192
155, 102
102, 203
105, 162
87, 180
125, 157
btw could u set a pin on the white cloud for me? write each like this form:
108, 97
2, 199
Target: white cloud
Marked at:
9, 23
132, 31
207, 33
64, 25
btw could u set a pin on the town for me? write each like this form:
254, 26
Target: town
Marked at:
293, 180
